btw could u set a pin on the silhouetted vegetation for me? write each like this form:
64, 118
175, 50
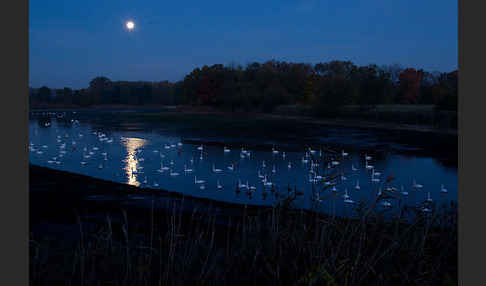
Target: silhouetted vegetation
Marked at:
325, 87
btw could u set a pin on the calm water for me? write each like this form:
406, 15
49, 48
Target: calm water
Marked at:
135, 157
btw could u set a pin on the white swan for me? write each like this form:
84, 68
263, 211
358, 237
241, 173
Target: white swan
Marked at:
173, 173
156, 184
200, 147
215, 170
417, 186
196, 181
346, 196
353, 168
368, 167
260, 175
367, 157
405, 193
274, 151
334, 188
443, 189
218, 185
187, 170
232, 167
226, 150
344, 154
429, 199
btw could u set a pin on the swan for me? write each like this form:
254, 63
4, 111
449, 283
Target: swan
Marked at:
171, 162
417, 186
187, 170
200, 147
426, 210
179, 144
335, 163
274, 151
312, 151
226, 150
344, 154
367, 157
304, 160
386, 204
196, 181
289, 165
216, 170
202, 187
162, 156
329, 165
346, 196
334, 188
173, 173
241, 185
167, 146
260, 175
94, 148
368, 167
357, 187
172, 145
242, 155
443, 189
83, 163
218, 185
353, 168
251, 188
50, 161
405, 193
429, 199
156, 184
231, 168
373, 173
156, 151
318, 177
283, 155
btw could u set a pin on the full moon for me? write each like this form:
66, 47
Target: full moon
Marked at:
130, 25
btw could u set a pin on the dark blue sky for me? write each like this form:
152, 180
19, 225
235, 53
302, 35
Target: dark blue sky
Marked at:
73, 41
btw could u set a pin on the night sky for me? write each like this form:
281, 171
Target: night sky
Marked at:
71, 42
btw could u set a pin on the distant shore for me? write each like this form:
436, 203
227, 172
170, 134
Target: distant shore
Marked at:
199, 110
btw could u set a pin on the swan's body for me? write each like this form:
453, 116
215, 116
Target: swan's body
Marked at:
187, 170
226, 150
443, 189
417, 186
216, 170
200, 147
231, 168
196, 181
353, 168
405, 193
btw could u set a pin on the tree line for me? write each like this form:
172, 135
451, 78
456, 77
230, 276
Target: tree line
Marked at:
263, 86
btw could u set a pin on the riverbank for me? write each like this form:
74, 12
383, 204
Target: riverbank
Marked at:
178, 241
385, 124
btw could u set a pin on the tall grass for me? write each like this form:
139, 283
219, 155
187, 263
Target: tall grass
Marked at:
277, 246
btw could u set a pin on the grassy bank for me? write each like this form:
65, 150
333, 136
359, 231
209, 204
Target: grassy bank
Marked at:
178, 242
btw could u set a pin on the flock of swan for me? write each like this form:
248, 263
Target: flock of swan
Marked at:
322, 167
